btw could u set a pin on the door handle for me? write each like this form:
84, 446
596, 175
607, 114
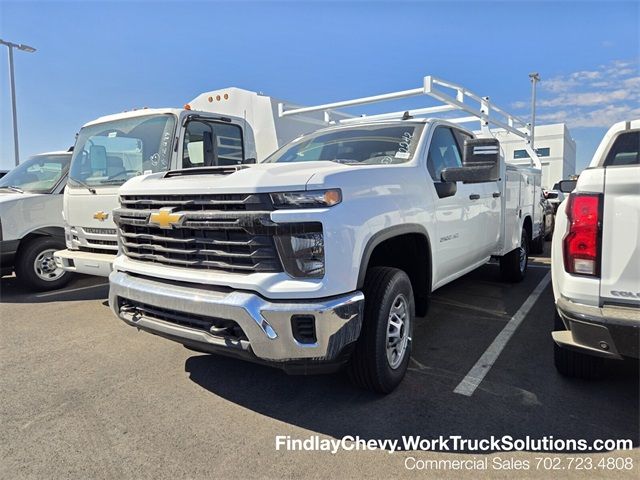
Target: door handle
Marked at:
474, 196
496, 194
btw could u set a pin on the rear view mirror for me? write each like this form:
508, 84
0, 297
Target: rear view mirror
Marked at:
567, 186
480, 160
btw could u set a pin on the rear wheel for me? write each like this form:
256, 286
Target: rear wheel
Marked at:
35, 267
513, 265
571, 363
537, 245
549, 235
380, 359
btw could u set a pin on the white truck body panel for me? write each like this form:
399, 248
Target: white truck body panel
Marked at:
620, 265
23, 213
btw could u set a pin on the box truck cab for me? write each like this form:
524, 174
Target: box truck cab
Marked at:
223, 127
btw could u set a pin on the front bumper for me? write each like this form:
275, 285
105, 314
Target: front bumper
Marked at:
99, 264
267, 325
609, 331
8, 250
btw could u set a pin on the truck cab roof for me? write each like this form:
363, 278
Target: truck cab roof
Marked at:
133, 114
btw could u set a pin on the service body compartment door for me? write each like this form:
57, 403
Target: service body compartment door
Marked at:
511, 214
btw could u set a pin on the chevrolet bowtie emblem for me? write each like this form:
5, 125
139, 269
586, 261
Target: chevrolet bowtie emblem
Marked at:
102, 216
165, 218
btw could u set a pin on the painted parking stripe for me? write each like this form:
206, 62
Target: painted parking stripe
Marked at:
477, 373
60, 292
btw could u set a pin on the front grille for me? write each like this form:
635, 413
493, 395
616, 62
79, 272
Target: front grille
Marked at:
230, 233
99, 231
109, 243
194, 203
227, 329
96, 250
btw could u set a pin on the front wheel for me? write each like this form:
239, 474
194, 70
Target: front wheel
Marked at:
381, 357
35, 267
513, 265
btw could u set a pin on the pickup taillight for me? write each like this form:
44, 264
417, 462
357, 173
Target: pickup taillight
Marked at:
582, 244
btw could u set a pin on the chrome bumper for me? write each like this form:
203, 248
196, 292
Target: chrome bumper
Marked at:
266, 324
610, 332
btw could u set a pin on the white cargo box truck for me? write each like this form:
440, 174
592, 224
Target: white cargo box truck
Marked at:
231, 126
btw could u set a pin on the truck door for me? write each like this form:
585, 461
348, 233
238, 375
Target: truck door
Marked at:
458, 215
620, 251
487, 196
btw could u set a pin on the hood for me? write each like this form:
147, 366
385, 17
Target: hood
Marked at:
265, 177
7, 196
88, 210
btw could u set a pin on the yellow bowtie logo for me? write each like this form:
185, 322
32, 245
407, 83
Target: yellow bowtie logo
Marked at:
164, 218
102, 216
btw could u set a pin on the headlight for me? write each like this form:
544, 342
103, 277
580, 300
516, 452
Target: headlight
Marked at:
302, 254
307, 199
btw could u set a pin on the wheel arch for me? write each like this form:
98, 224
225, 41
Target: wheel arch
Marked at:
414, 256
55, 232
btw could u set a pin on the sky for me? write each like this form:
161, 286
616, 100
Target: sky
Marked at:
96, 58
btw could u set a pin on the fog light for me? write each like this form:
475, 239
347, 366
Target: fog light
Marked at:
302, 254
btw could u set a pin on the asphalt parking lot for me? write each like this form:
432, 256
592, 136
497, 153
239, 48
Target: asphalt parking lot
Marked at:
84, 396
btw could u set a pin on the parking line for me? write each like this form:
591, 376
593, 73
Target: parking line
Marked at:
477, 373
59, 292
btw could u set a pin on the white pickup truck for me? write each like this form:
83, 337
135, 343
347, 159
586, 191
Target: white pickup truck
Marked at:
31, 226
324, 254
231, 126
596, 259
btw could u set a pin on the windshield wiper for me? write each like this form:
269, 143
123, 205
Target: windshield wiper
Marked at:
344, 161
82, 184
111, 182
13, 188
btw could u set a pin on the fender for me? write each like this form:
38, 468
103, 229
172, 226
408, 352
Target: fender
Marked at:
57, 232
391, 232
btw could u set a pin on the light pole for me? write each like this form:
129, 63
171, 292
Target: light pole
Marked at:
535, 78
12, 88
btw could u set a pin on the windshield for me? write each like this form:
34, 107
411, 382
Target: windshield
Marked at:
39, 174
361, 145
110, 153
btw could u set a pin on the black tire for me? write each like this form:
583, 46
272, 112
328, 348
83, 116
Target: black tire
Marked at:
573, 364
26, 271
369, 366
511, 268
549, 235
537, 245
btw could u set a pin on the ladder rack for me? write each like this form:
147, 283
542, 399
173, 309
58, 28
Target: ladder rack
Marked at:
484, 112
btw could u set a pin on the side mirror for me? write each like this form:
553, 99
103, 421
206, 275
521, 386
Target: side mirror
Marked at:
480, 160
567, 186
550, 195
248, 161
